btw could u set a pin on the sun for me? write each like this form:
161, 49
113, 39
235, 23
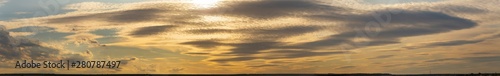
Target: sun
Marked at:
205, 3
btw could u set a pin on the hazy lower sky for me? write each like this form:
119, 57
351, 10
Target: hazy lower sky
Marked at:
254, 36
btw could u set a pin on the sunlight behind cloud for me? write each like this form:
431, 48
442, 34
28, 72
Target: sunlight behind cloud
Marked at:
204, 4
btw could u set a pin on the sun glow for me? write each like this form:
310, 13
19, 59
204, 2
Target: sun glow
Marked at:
205, 3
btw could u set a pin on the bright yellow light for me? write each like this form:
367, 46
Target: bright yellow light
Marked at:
205, 3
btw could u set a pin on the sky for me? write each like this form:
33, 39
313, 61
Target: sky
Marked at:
253, 36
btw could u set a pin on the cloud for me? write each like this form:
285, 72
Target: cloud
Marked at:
481, 38
443, 59
483, 59
32, 29
21, 48
127, 61
125, 16
405, 24
264, 65
204, 43
460, 9
244, 31
264, 33
151, 30
345, 67
445, 43
277, 54
382, 56
400, 64
176, 70
273, 9
2, 2
477, 59
482, 53
283, 32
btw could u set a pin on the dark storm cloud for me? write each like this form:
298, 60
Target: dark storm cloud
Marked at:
127, 16
151, 30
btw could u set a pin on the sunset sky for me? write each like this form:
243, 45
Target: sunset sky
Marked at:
254, 36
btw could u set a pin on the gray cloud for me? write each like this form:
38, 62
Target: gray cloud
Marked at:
263, 33
382, 56
210, 31
42, 33
264, 65
176, 70
253, 47
443, 59
401, 64
478, 59
482, 53
404, 24
345, 67
127, 16
137, 15
453, 42
449, 43
204, 43
456, 42
283, 32
277, 54
20, 48
196, 53
240, 48
32, 29
274, 8
483, 59
407, 23
151, 30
